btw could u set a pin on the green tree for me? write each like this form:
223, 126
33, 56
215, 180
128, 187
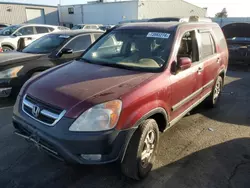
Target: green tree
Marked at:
222, 14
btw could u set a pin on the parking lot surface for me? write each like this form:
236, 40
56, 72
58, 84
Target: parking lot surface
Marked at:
208, 148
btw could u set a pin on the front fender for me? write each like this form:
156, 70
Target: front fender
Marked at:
8, 44
142, 113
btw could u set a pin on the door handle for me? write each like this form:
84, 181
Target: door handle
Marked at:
218, 60
29, 38
200, 69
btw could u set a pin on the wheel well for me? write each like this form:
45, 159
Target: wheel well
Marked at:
160, 120
222, 75
8, 46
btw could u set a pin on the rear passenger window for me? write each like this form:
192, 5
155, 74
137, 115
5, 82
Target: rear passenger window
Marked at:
207, 45
40, 30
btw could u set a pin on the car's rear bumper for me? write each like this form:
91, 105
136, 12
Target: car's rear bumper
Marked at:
69, 146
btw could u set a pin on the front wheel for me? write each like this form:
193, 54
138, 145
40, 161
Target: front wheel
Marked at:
213, 99
6, 48
140, 154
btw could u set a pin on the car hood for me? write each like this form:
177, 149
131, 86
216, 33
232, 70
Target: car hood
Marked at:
237, 30
8, 58
77, 86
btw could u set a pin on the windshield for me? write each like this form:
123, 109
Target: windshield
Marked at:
77, 27
131, 49
9, 30
46, 44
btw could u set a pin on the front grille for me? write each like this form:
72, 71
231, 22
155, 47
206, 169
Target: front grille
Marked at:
41, 112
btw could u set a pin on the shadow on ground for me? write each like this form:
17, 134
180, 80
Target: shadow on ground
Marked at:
234, 102
222, 165
211, 167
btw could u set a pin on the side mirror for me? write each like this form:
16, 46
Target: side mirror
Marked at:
17, 34
66, 51
184, 63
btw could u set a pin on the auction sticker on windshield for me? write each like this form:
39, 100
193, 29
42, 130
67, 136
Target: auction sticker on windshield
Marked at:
158, 35
64, 36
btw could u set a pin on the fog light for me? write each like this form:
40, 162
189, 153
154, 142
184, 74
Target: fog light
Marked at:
91, 157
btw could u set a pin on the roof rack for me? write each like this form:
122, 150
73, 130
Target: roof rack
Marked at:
195, 19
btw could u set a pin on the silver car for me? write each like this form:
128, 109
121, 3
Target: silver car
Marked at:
87, 27
10, 36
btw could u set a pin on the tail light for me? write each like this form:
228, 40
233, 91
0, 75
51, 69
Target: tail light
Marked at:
1, 49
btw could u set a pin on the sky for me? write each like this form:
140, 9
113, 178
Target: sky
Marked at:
235, 8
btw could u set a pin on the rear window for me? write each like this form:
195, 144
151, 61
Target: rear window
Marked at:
220, 37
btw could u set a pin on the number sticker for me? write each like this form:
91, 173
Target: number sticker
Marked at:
64, 36
158, 35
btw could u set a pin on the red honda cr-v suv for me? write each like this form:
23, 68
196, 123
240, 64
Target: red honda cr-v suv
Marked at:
134, 81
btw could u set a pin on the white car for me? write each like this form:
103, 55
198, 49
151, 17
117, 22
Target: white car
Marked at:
87, 26
9, 36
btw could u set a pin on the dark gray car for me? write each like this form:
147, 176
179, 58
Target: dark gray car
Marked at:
49, 51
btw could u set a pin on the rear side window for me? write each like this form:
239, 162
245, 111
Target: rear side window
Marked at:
80, 43
207, 45
42, 30
220, 38
51, 29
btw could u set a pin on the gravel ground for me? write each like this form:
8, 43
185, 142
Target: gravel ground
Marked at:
209, 148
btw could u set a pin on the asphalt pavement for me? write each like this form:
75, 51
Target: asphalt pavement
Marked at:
208, 148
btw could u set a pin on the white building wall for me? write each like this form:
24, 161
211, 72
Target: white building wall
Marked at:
115, 12
168, 8
110, 13
17, 13
75, 18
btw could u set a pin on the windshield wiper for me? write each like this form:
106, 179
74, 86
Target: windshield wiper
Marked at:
108, 64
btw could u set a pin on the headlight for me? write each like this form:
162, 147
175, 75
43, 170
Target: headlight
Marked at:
10, 73
98, 118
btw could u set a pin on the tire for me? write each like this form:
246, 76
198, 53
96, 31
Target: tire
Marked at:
214, 97
134, 165
7, 48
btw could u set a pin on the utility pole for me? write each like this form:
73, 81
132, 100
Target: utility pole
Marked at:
59, 12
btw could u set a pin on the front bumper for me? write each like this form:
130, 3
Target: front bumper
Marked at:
5, 88
5, 92
69, 146
8, 86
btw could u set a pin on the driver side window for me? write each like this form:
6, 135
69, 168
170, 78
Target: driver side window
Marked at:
189, 47
26, 31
